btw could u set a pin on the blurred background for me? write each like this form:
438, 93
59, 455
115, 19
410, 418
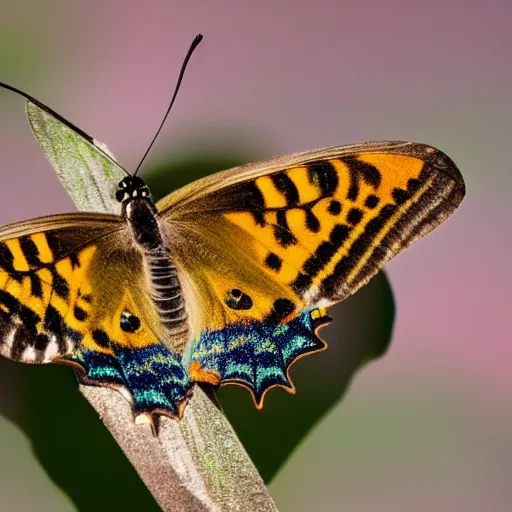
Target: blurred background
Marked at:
425, 428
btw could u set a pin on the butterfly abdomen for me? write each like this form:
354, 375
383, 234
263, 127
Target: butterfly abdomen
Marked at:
167, 294
166, 291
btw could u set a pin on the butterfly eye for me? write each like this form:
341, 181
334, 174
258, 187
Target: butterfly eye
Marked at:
129, 322
121, 195
137, 182
236, 299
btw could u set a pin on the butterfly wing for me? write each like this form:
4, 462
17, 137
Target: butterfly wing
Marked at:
263, 248
85, 166
73, 291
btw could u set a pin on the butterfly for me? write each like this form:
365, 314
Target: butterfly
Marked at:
224, 281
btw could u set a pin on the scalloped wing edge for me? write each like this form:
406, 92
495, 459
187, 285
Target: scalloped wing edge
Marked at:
317, 318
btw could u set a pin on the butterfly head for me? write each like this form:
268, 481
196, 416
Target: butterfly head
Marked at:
131, 187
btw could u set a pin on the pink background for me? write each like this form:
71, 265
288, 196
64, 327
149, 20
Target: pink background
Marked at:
426, 428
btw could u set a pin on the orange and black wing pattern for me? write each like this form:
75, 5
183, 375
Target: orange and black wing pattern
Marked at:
274, 241
73, 291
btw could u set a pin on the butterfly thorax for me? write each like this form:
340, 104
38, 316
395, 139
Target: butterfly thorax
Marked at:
142, 218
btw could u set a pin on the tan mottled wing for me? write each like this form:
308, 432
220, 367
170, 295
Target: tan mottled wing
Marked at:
310, 228
86, 167
73, 289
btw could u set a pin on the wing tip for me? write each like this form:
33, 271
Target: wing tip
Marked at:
442, 163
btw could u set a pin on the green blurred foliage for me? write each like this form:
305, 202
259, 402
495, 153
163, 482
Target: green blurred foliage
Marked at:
72, 444
82, 458
76, 449
165, 177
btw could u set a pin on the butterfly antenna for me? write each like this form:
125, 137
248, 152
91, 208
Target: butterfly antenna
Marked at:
193, 46
71, 126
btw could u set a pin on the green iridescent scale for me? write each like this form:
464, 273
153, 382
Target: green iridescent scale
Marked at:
154, 376
258, 355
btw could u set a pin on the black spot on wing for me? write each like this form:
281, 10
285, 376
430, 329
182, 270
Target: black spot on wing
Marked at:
75, 262
80, 314
339, 234
413, 185
301, 283
287, 187
354, 216
238, 300
312, 222
36, 288
282, 232
359, 170
54, 323
41, 342
371, 201
324, 175
54, 244
280, 310
60, 285
251, 198
334, 207
101, 338
400, 195
129, 323
30, 251
284, 307
7, 259
273, 261
9, 303
332, 286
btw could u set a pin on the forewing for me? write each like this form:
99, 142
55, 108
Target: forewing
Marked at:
73, 290
86, 167
293, 234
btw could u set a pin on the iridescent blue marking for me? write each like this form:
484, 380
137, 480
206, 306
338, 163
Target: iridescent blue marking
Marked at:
99, 367
154, 375
156, 378
258, 354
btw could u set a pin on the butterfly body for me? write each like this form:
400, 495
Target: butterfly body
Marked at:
141, 215
223, 281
